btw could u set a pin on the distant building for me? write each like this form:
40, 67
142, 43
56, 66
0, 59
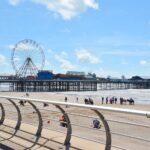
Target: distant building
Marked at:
136, 78
45, 75
68, 77
90, 77
7, 77
75, 73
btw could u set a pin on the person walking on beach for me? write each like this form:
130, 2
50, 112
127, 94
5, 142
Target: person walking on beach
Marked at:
65, 99
77, 100
102, 100
106, 100
27, 94
121, 100
91, 101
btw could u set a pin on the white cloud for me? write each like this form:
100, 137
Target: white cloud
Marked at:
2, 59
143, 62
91, 3
65, 63
67, 9
85, 55
14, 2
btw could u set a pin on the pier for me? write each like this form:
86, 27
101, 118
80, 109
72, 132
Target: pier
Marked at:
70, 85
119, 84
48, 85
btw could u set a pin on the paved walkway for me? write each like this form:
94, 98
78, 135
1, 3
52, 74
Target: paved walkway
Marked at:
49, 140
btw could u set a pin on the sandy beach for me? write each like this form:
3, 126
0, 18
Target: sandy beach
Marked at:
141, 98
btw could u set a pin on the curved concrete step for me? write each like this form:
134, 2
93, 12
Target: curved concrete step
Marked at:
25, 139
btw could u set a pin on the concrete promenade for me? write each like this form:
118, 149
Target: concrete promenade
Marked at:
25, 139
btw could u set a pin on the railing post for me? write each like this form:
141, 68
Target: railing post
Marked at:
106, 126
40, 126
18, 113
3, 114
69, 128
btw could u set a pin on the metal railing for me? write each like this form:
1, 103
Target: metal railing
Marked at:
78, 121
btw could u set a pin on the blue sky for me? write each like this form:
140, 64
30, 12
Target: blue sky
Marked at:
108, 37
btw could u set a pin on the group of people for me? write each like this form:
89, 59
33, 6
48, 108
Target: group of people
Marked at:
124, 101
113, 100
107, 100
89, 101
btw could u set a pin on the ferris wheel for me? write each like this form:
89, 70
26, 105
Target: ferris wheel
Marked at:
27, 58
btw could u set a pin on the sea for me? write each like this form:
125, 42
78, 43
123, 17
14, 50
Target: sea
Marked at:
140, 96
